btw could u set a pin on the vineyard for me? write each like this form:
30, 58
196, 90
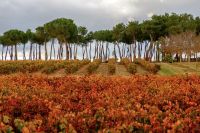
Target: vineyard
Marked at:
99, 104
111, 66
77, 67
60, 68
84, 96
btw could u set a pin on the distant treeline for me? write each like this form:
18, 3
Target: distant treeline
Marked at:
168, 37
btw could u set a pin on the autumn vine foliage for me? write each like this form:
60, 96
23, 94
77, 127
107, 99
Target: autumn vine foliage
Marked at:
93, 66
151, 67
46, 67
131, 67
96, 103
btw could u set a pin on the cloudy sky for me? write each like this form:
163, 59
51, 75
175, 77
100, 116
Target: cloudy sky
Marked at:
94, 14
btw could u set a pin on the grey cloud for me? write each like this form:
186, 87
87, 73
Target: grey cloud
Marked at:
94, 14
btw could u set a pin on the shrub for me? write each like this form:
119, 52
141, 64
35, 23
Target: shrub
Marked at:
93, 66
52, 66
125, 61
74, 66
34, 66
84, 62
47, 67
8, 67
71, 68
152, 68
168, 58
131, 68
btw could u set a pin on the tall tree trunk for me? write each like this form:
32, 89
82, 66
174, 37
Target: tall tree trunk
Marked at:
11, 52
36, 51
158, 52
86, 51
30, 53
40, 57
2, 52
67, 51
58, 54
145, 48
45, 48
108, 53
119, 51
100, 51
189, 57
70, 51
139, 52
122, 50
103, 53
6, 52
106, 57
134, 53
74, 51
125, 46
54, 51
115, 54
196, 56
151, 52
150, 48
83, 52
97, 50
180, 60
61, 51
52, 43
90, 51
147, 56
130, 51
125, 52
16, 52
24, 52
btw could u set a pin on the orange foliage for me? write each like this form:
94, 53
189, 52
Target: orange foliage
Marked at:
96, 103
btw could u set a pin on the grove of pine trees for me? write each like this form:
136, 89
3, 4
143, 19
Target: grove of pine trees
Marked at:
168, 37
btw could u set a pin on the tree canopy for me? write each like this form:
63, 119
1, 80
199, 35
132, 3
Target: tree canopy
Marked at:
158, 36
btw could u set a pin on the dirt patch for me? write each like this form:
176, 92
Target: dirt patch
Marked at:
82, 71
102, 69
58, 73
121, 71
141, 70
